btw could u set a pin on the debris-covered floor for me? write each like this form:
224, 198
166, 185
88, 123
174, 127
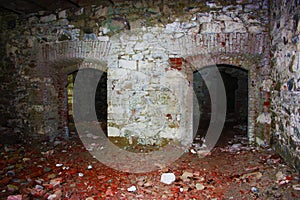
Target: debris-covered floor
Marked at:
66, 170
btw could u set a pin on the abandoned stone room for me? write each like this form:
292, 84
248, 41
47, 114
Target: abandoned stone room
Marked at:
156, 99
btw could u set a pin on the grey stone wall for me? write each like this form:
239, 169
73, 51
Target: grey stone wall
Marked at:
135, 43
14, 113
285, 29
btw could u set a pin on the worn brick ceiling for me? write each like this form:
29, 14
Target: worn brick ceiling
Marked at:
29, 6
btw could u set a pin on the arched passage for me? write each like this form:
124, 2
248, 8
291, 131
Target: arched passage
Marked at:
100, 101
244, 62
57, 97
57, 62
235, 81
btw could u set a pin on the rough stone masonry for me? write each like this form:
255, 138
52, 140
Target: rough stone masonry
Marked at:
149, 50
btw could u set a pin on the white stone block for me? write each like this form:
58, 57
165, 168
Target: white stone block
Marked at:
127, 44
112, 63
128, 64
103, 38
148, 36
116, 109
186, 25
116, 117
113, 132
138, 56
140, 46
130, 130
211, 5
178, 35
144, 66
133, 38
231, 26
175, 26
204, 19
255, 29
211, 28
224, 18
118, 73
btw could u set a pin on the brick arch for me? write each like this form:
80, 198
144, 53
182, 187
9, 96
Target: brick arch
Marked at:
245, 62
97, 50
55, 61
196, 62
67, 66
68, 56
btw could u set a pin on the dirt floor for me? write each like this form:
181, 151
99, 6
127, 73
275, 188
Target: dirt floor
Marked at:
66, 170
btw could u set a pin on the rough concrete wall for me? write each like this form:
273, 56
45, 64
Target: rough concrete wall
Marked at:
141, 40
285, 29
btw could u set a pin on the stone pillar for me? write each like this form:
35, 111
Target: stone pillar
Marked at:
63, 106
50, 102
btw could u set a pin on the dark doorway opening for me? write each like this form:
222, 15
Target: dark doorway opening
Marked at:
235, 81
100, 101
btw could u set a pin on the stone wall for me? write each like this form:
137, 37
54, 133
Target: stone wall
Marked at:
13, 107
285, 29
148, 48
8, 86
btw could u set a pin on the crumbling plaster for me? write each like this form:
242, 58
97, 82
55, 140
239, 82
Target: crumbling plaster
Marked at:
137, 60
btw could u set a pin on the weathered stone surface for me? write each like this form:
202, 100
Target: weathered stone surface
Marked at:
212, 27
255, 29
127, 64
231, 26
113, 131
285, 90
49, 18
136, 56
62, 14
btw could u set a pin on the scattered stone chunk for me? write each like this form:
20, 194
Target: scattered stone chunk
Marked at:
167, 178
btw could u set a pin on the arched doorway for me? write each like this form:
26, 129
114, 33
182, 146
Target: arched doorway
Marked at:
100, 101
235, 81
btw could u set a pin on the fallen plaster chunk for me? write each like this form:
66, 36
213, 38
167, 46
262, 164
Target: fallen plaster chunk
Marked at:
193, 151
199, 186
186, 176
131, 189
167, 178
